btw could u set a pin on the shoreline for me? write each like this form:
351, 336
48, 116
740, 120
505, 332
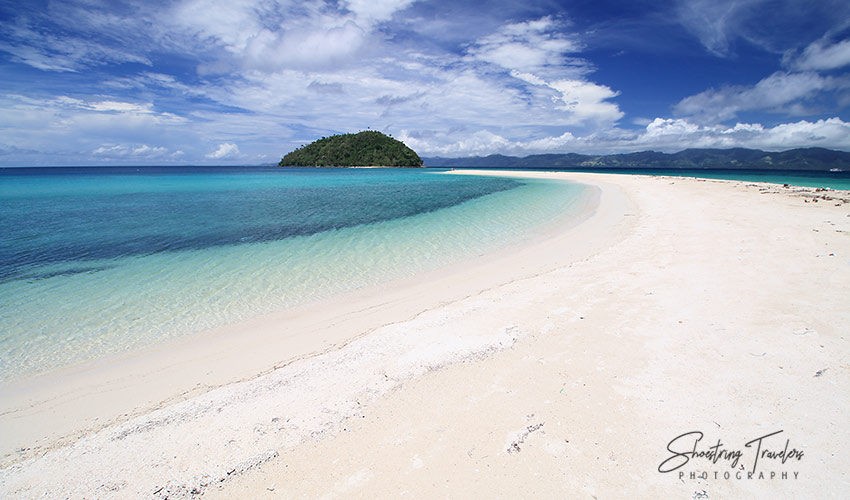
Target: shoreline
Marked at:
48, 410
680, 304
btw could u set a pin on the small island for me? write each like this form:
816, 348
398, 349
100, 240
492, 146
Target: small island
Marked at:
363, 149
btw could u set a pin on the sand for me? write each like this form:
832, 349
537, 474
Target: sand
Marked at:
558, 369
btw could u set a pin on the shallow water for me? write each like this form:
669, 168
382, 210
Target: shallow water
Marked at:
98, 261
806, 178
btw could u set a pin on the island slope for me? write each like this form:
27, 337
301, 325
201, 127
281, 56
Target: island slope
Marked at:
368, 148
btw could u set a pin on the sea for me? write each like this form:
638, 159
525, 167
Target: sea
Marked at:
98, 261
804, 178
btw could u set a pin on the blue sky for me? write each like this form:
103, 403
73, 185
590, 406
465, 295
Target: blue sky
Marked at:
92, 82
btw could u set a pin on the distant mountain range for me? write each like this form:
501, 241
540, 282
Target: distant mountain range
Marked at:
739, 158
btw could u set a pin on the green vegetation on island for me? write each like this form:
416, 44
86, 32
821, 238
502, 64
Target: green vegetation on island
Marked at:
363, 149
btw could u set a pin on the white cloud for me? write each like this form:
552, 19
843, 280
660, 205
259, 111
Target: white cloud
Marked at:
587, 100
145, 150
477, 143
821, 56
534, 53
661, 134
273, 36
141, 151
775, 26
377, 10
326, 65
714, 22
830, 133
68, 104
121, 107
225, 150
270, 72
109, 150
674, 134
32, 45
773, 93
484, 142
559, 143
229, 24
525, 46
430, 96
529, 78
67, 130
661, 128
303, 49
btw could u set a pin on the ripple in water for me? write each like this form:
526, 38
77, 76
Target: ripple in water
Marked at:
100, 263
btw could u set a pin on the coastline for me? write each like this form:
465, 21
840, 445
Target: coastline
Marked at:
678, 305
47, 410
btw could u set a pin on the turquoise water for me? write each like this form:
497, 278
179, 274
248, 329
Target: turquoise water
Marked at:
833, 180
99, 261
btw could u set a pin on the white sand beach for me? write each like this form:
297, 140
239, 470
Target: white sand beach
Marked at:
560, 368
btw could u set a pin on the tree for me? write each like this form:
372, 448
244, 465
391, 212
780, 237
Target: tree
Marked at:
367, 148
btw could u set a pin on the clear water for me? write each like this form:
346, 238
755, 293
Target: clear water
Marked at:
833, 180
96, 261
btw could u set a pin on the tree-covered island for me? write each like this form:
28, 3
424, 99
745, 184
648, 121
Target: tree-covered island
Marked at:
363, 149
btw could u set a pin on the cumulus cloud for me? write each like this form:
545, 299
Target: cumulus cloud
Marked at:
121, 107
272, 36
587, 100
584, 101
821, 55
484, 142
266, 36
774, 93
276, 73
141, 151
670, 134
372, 11
226, 150
304, 49
73, 128
476, 143
661, 134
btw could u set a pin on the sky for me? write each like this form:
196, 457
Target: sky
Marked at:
203, 82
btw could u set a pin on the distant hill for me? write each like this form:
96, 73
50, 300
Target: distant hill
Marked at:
738, 158
363, 149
